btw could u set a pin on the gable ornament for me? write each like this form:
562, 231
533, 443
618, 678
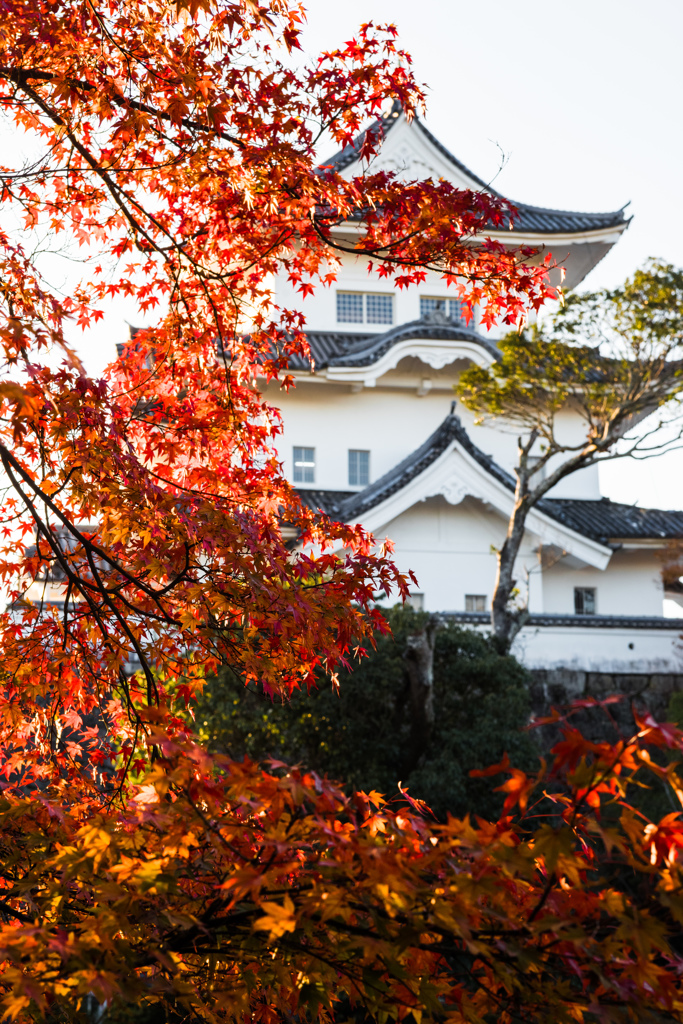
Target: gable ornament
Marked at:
453, 490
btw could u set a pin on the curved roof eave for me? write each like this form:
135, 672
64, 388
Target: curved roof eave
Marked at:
451, 429
600, 521
338, 350
528, 219
424, 329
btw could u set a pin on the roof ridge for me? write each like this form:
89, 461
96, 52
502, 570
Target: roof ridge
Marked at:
346, 156
617, 504
348, 153
571, 213
454, 160
416, 462
569, 512
363, 348
489, 188
421, 327
528, 207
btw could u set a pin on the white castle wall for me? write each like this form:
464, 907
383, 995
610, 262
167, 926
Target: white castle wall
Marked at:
631, 585
449, 548
320, 308
389, 422
595, 649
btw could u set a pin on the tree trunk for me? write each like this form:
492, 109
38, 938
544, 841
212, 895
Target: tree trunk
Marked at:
506, 621
419, 662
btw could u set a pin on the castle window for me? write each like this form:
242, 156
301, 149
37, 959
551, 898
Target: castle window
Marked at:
359, 308
379, 309
584, 601
304, 465
359, 468
449, 307
475, 602
350, 307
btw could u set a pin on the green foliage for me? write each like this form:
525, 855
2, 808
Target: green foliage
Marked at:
674, 712
534, 377
613, 360
361, 736
612, 355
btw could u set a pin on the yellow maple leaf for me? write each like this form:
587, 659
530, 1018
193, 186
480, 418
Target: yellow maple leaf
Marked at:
277, 919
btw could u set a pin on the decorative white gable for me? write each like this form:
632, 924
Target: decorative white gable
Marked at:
455, 474
436, 354
411, 154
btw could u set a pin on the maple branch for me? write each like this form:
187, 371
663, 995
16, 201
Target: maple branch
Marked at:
21, 76
100, 172
417, 261
10, 464
92, 549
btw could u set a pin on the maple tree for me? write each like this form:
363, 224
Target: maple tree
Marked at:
146, 526
613, 357
229, 892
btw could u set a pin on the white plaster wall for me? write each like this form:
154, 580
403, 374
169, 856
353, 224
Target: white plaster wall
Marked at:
389, 422
332, 419
320, 308
585, 483
449, 548
406, 418
631, 585
570, 429
600, 650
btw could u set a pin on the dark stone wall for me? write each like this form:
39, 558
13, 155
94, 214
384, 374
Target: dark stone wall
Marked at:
559, 687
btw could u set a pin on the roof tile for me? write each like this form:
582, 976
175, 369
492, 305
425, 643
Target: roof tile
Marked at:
338, 348
528, 219
599, 519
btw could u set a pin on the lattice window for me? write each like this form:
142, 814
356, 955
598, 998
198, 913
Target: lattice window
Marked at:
451, 308
379, 309
359, 468
304, 465
475, 602
350, 307
358, 308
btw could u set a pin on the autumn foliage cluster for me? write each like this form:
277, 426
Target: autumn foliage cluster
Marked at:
148, 541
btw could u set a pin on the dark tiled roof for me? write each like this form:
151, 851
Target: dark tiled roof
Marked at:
346, 156
338, 348
528, 219
327, 345
601, 520
536, 219
369, 352
325, 501
605, 519
591, 621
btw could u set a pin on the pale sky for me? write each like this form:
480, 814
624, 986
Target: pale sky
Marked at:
583, 98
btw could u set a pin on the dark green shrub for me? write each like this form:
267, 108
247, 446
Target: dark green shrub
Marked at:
361, 737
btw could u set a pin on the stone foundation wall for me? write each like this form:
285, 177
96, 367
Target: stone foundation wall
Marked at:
559, 687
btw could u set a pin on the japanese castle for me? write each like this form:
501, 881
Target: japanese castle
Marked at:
372, 435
